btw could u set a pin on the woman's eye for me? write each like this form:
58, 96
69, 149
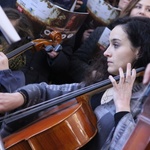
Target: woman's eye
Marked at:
148, 9
137, 6
116, 45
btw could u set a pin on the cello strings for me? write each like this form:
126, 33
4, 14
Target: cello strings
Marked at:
58, 100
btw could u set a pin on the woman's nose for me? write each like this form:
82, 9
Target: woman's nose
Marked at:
107, 53
142, 11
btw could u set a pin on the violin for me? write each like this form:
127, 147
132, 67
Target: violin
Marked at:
55, 39
37, 44
70, 120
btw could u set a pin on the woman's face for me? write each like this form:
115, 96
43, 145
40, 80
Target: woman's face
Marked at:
120, 51
142, 8
123, 3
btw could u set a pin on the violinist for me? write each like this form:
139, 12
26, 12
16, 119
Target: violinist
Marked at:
31, 66
88, 52
10, 80
119, 107
10, 74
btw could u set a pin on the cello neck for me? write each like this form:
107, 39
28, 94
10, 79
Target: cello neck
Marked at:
103, 85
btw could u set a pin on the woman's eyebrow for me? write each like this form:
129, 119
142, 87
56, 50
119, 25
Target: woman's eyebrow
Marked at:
115, 40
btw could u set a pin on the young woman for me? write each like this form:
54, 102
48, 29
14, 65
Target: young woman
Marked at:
87, 53
128, 49
137, 8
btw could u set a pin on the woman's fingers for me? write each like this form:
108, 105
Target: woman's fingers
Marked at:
113, 81
127, 78
122, 76
130, 74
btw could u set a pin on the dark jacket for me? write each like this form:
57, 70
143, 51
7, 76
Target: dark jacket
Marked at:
39, 68
8, 3
11, 80
59, 66
83, 56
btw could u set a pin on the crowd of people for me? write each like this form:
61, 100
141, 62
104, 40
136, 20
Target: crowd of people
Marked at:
34, 77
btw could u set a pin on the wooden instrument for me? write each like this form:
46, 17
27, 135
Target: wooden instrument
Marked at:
37, 44
70, 127
140, 138
55, 38
69, 124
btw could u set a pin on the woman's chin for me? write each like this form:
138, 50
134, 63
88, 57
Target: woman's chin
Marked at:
112, 71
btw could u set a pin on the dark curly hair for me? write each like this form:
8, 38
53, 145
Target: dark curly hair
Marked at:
138, 32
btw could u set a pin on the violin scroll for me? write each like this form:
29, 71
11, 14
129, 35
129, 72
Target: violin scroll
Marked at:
55, 38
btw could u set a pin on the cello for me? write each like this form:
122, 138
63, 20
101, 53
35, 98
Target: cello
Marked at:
140, 138
78, 123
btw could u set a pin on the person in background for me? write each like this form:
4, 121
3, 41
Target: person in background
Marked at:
137, 8
117, 108
81, 6
122, 4
11, 76
31, 66
88, 52
56, 63
86, 30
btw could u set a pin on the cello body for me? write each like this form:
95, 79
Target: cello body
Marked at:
68, 129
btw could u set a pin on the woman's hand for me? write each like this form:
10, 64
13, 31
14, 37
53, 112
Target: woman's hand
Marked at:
53, 54
3, 62
123, 89
10, 101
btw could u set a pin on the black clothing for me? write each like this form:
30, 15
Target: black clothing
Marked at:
8, 3
82, 57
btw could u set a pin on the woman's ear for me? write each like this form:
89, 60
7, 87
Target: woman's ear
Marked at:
137, 55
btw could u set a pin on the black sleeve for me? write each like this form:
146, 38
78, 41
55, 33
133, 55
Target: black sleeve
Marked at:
8, 3
59, 66
119, 115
